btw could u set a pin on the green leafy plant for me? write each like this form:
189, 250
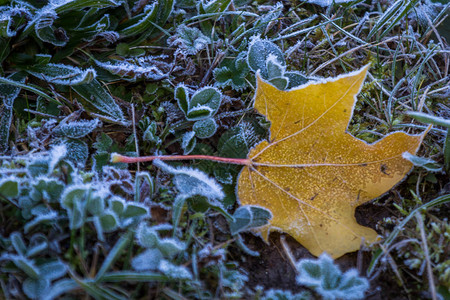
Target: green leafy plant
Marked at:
327, 280
267, 58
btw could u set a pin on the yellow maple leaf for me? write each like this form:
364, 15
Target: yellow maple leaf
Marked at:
312, 174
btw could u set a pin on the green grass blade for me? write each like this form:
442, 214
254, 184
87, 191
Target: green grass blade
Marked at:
401, 15
426, 118
384, 19
28, 87
97, 291
122, 276
378, 255
114, 254
447, 151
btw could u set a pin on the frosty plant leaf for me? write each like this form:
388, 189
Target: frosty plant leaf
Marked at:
326, 279
63, 74
312, 174
189, 40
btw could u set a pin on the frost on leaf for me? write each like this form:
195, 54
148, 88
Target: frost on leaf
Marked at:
77, 151
45, 30
325, 3
63, 74
174, 271
147, 260
238, 141
188, 142
205, 128
232, 73
76, 129
13, 19
312, 174
95, 95
191, 182
326, 279
8, 94
246, 217
203, 104
286, 295
265, 22
259, 52
189, 40
148, 67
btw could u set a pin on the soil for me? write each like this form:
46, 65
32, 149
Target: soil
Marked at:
273, 270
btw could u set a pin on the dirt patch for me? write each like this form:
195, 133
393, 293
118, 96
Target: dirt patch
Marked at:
273, 270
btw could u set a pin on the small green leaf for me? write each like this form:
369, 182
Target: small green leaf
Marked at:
53, 270
9, 187
170, 247
274, 67
242, 218
328, 281
188, 142
207, 96
134, 210
18, 243
295, 79
233, 72
237, 141
73, 195
95, 205
117, 205
109, 221
63, 74
150, 134
77, 151
76, 216
51, 34
147, 260
146, 236
214, 6
199, 113
280, 82
425, 163
60, 287
8, 93
38, 167
76, 129
95, 95
27, 266
35, 288
205, 128
258, 54
182, 97
190, 40
122, 49
247, 217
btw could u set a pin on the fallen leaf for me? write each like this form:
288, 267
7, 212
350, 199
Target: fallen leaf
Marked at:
312, 174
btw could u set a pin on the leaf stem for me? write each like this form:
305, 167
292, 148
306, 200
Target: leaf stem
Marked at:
117, 158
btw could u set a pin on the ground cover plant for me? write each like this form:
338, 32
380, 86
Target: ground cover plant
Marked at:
81, 80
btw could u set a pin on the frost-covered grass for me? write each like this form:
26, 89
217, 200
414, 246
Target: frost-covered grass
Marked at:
83, 79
